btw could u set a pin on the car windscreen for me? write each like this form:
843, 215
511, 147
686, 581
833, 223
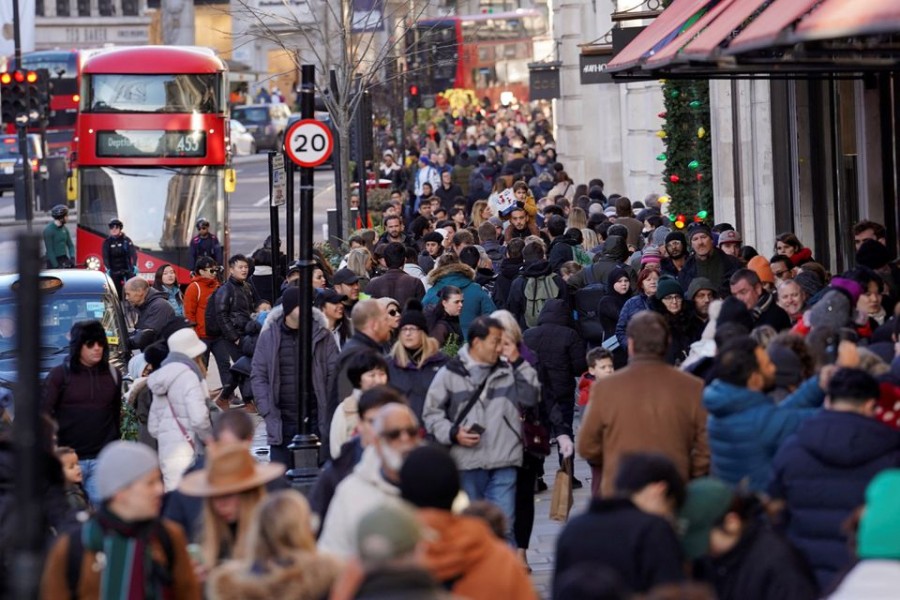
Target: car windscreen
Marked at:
251, 115
59, 311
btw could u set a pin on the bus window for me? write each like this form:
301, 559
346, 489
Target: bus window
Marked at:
185, 93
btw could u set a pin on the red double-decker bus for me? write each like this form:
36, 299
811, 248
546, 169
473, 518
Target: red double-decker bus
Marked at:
152, 152
488, 52
64, 67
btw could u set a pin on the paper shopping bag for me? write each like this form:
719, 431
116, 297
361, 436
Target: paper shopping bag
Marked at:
561, 501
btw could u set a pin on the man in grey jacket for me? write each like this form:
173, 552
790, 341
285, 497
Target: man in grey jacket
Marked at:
486, 439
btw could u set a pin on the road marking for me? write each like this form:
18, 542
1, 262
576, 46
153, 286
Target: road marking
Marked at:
262, 201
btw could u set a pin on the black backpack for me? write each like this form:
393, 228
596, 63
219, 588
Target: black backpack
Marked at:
587, 302
212, 316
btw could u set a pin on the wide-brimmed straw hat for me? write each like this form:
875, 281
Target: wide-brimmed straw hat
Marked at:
230, 470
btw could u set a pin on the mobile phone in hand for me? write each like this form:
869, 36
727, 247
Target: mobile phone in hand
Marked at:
476, 428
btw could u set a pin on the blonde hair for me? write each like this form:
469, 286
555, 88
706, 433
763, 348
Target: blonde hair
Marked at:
429, 347
577, 218
216, 535
357, 260
281, 525
590, 238
477, 209
510, 325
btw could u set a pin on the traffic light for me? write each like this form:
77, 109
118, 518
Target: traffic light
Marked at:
38, 95
415, 100
13, 96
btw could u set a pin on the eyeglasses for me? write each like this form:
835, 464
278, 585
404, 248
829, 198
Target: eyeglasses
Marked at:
672, 298
94, 344
394, 312
394, 434
410, 329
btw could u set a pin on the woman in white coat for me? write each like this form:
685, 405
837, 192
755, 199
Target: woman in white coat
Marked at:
179, 415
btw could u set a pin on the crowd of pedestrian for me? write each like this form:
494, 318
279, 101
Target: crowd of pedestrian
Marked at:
738, 409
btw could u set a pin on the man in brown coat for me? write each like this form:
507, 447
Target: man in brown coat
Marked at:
396, 283
648, 406
126, 550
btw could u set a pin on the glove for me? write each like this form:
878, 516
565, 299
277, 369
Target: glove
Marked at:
566, 447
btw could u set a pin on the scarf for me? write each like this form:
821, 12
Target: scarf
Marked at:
123, 550
176, 357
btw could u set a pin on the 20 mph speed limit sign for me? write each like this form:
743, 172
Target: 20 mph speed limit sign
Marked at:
308, 143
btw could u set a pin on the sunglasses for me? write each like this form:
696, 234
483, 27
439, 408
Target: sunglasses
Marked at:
394, 434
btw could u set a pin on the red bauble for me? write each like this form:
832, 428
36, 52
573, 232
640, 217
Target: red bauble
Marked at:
662, 115
674, 178
699, 176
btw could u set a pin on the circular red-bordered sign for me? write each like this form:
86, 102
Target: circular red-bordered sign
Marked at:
308, 143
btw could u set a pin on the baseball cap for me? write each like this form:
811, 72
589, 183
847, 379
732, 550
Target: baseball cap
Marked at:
345, 276
328, 296
729, 237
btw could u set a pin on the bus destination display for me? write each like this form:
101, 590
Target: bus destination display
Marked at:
151, 144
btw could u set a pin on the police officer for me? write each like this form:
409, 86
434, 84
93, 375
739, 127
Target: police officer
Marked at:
205, 243
58, 241
119, 255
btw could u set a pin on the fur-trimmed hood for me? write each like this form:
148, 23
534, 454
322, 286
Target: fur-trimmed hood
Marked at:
306, 576
278, 311
459, 268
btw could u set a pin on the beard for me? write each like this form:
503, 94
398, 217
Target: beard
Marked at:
392, 459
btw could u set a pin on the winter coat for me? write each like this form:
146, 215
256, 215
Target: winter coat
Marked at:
448, 195
642, 548
426, 263
648, 406
86, 404
719, 271
746, 428
562, 249
396, 284
344, 423
761, 565
264, 377
822, 473
517, 303
413, 381
561, 359
303, 576
57, 244
175, 298
340, 386
404, 582
361, 492
508, 271
332, 475
196, 297
441, 326
179, 416
206, 246
157, 315
870, 579
55, 579
767, 312
614, 255
684, 330
468, 559
632, 306
119, 255
476, 302
235, 304
509, 387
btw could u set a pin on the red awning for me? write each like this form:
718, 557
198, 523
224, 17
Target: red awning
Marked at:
665, 28
673, 50
767, 28
849, 18
707, 43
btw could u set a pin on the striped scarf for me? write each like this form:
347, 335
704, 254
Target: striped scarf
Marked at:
128, 568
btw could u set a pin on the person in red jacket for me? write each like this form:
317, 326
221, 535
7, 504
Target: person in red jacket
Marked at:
600, 364
198, 292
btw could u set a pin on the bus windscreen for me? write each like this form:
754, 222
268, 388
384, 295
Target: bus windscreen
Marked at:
184, 93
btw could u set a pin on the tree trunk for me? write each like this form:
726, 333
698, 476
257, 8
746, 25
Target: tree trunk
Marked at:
343, 123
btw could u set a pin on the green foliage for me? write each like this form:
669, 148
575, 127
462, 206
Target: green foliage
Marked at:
129, 421
688, 154
452, 345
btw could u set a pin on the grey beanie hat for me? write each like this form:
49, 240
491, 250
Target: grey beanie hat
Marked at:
809, 282
122, 463
832, 310
659, 236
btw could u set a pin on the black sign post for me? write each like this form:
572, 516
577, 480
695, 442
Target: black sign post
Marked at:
544, 80
593, 68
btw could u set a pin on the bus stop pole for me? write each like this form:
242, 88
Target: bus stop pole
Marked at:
277, 274
31, 439
305, 445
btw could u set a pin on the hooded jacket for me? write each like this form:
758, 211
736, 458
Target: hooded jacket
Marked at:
561, 359
509, 270
470, 561
497, 409
413, 381
746, 428
304, 576
614, 255
157, 315
265, 376
476, 302
517, 303
196, 297
361, 492
822, 473
179, 417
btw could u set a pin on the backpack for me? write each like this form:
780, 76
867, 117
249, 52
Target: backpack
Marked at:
212, 316
587, 302
537, 291
582, 256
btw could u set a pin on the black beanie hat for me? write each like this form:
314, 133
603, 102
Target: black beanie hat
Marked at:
429, 478
676, 236
413, 315
873, 254
433, 236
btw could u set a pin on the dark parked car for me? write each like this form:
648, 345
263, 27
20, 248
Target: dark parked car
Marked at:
267, 123
10, 157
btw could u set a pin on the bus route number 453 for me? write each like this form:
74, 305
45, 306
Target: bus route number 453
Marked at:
308, 143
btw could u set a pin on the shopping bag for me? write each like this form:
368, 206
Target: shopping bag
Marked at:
561, 501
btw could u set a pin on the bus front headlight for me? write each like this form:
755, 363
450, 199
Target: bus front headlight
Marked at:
92, 263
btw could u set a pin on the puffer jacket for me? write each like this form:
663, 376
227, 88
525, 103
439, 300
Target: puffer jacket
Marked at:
301, 576
561, 359
517, 303
509, 386
157, 315
822, 474
476, 302
746, 428
234, 307
264, 377
413, 381
196, 297
179, 416
632, 306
